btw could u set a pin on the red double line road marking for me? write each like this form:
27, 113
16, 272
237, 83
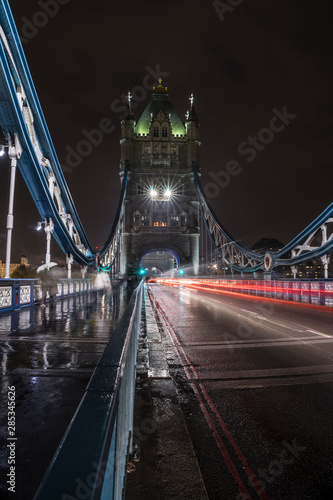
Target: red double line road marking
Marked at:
229, 462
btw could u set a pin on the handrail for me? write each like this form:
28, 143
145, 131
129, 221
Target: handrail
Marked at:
91, 459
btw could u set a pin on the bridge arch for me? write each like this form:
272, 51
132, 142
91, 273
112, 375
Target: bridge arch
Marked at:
165, 249
160, 257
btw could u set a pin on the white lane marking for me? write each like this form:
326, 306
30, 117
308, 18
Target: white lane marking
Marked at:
319, 333
248, 345
260, 318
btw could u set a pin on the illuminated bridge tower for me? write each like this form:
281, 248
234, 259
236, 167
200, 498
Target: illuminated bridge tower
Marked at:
161, 209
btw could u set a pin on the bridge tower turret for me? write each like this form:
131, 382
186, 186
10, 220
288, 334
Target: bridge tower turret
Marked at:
161, 207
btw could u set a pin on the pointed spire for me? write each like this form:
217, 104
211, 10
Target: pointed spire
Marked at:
191, 99
192, 115
129, 105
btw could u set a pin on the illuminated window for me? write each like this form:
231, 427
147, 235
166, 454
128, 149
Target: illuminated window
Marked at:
159, 220
174, 220
145, 220
164, 132
156, 132
147, 149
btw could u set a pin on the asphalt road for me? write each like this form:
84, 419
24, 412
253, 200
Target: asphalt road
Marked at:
47, 358
255, 381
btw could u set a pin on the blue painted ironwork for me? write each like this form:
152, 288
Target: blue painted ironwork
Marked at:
233, 253
20, 293
315, 241
109, 250
21, 114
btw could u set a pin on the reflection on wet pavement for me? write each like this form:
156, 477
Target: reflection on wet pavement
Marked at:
48, 354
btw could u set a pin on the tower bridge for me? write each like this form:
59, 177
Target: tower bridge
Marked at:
161, 197
238, 369
161, 205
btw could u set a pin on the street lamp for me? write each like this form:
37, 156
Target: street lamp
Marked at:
14, 153
153, 193
48, 228
168, 193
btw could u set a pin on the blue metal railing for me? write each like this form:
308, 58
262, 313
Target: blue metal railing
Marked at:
90, 462
19, 293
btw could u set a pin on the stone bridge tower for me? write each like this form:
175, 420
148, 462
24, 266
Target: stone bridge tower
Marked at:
161, 208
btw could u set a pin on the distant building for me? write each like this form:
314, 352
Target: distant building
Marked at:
24, 262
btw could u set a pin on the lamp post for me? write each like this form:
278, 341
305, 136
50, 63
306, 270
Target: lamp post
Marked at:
48, 228
69, 261
14, 153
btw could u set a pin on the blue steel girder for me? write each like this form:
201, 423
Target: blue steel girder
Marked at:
112, 245
235, 255
315, 241
21, 114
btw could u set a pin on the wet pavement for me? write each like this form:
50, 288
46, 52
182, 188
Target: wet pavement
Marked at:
254, 382
167, 468
47, 358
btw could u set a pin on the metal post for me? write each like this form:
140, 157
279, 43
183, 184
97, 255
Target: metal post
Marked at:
84, 270
10, 216
325, 259
14, 153
48, 226
69, 260
294, 271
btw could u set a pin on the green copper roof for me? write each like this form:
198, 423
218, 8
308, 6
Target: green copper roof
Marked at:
157, 103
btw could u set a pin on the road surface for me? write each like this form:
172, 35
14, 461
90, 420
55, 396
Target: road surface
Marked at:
255, 382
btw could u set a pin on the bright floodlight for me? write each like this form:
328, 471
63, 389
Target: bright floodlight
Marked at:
153, 192
39, 226
2, 150
168, 193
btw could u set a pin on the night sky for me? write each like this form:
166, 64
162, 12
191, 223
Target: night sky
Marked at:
261, 56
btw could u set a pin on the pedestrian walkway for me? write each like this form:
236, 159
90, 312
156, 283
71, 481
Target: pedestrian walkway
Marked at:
49, 354
167, 468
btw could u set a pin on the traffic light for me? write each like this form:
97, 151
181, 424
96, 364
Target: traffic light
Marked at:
181, 272
142, 272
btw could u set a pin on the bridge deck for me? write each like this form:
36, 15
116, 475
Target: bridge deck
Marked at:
49, 354
253, 381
